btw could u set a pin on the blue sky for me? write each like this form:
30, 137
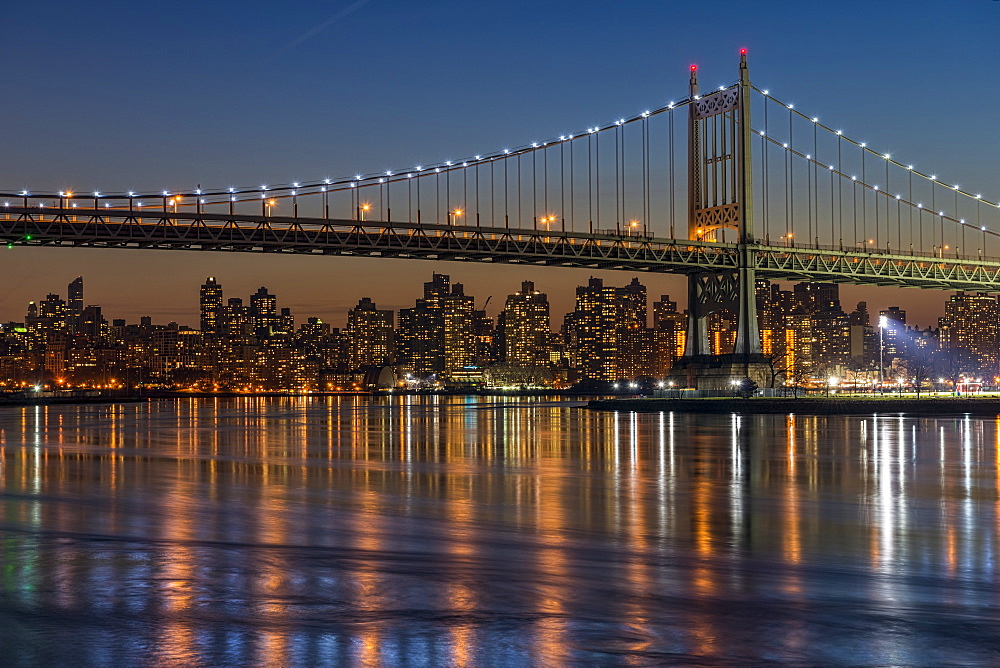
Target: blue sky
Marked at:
119, 96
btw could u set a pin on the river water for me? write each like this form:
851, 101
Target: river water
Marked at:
416, 531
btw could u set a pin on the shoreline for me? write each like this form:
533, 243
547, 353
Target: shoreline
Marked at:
825, 406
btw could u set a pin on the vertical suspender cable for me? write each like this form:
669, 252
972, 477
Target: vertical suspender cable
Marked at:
765, 155
545, 180
833, 216
506, 194
899, 225
809, 196
788, 213
864, 194
673, 201
618, 199
909, 198
562, 184
590, 183
791, 181
572, 189
934, 213
840, 193
815, 180
887, 194
854, 209
534, 189
645, 212
956, 216
519, 216
597, 178
624, 215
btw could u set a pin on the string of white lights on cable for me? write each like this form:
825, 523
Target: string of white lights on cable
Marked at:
280, 191
931, 178
854, 180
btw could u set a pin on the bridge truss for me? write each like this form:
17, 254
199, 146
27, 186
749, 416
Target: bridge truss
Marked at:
96, 228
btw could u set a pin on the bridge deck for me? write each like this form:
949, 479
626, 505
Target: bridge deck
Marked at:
262, 234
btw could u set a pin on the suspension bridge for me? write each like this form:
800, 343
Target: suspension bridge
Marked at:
723, 185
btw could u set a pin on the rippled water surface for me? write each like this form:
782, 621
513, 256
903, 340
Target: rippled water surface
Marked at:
424, 532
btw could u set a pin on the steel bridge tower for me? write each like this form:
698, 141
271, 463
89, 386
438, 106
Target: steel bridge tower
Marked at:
720, 197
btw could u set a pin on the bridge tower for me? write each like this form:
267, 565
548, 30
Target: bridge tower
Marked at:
720, 197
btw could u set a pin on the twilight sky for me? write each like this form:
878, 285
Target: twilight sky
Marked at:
146, 96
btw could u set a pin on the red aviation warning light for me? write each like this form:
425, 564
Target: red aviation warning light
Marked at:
743, 52
694, 68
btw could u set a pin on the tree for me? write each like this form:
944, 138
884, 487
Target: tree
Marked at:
787, 362
920, 365
953, 363
746, 388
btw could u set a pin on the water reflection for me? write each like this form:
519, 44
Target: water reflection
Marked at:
417, 531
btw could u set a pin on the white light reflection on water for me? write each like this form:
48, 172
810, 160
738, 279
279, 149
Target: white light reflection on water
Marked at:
447, 531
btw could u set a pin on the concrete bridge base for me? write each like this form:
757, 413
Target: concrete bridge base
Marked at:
719, 372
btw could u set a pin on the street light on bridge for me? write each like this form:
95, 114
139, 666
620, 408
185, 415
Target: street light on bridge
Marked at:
366, 207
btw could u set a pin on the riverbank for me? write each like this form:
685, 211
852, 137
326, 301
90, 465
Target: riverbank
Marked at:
814, 406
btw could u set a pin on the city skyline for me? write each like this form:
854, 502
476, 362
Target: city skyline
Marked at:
495, 294
807, 335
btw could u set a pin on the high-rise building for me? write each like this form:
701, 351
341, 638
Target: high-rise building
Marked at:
596, 322
774, 306
721, 330
420, 338
816, 297
437, 289
525, 327
74, 306
234, 320
861, 336
263, 313
972, 322
603, 323
91, 323
459, 329
48, 317
370, 335
211, 307
439, 333
830, 345
893, 335
485, 333
669, 335
286, 321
